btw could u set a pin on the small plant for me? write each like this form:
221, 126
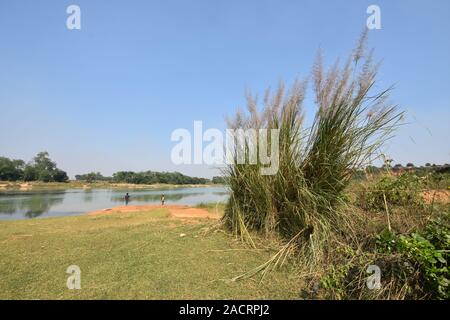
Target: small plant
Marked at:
334, 281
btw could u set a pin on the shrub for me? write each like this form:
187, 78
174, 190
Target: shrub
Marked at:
427, 252
435, 180
413, 265
400, 191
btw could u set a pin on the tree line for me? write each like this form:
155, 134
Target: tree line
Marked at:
41, 168
428, 167
145, 177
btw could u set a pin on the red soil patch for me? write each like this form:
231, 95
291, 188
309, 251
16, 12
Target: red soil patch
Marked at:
441, 196
176, 211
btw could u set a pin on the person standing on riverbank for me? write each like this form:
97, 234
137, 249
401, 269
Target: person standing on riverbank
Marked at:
162, 200
127, 199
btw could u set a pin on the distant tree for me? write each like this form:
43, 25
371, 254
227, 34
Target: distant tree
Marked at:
218, 180
60, 176
427, 164
409, 165
91, 177
30, 173
151, 177
42, 168
45, 176
11, 170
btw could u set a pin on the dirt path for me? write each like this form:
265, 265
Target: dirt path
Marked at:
176, 211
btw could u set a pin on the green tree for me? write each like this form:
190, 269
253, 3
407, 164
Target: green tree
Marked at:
42, 168
218, 180
60, 176
30, 173
91, 177
11, 170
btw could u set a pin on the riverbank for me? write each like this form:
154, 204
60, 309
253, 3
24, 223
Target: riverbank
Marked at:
149, 254
174, 211
37, 185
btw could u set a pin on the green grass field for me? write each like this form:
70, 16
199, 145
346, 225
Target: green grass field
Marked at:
132, 256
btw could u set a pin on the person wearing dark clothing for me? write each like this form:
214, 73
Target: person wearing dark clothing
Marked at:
162, 200
127, 198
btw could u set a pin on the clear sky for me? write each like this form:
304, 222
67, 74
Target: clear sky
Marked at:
107, 97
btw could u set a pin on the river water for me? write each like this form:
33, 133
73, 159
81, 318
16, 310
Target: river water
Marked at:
32, 204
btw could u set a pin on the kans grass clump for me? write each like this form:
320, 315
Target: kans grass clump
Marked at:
300, 202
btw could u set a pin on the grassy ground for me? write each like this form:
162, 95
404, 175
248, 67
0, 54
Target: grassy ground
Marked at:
132, 256
218, 207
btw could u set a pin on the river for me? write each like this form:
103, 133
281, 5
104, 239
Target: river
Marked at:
32, 204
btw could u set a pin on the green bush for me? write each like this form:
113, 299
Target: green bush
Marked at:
427, 252
400, 191
413, 266
437, 180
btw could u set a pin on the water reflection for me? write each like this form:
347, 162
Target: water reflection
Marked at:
31, 206
88, 195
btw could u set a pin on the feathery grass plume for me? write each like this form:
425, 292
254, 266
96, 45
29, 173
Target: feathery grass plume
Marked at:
315, 164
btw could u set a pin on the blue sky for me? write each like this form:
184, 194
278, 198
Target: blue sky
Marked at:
107, 97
